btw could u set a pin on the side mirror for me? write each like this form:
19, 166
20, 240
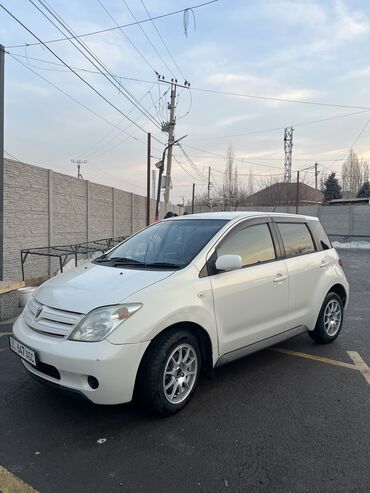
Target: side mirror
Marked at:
229, 262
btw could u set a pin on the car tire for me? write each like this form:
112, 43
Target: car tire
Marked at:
169, 372
330, 320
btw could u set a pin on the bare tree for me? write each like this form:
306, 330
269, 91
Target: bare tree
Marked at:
355, 172
230, 185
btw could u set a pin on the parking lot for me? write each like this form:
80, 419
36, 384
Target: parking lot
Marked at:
271, 422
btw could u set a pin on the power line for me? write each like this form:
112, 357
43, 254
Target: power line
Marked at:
98, 142
79, 69
111, 79
311, 122
11, 156
359, 135
126, 37
147, 37
163, 41
73, 71
109, 29
243, 160
281, 100
76, 100
186, 171
364, 109
192, 164
101, 153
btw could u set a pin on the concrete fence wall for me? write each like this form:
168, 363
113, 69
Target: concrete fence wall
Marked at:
45, 208
340, 222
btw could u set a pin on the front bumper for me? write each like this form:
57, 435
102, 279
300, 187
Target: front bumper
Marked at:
113, 365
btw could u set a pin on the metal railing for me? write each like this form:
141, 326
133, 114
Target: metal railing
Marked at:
64, 252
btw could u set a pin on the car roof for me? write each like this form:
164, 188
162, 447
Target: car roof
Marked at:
234, 215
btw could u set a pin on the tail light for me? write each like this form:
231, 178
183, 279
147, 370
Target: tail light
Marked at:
340, 262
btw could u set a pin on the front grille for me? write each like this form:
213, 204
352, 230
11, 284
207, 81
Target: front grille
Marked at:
51, 321
49, 370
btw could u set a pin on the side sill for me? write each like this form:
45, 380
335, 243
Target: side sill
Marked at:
257, 346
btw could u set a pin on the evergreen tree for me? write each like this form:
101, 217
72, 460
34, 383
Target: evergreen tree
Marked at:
332, 189
364, 190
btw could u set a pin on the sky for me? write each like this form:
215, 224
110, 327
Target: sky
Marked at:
308, 51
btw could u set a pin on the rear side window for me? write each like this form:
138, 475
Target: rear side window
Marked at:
296, 238
254, 245
321, 238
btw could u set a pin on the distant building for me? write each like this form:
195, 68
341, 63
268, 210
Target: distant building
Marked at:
280, 194
349, 201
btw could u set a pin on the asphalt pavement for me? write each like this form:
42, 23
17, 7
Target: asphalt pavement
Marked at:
270, 422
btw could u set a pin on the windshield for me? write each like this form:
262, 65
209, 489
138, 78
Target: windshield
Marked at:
167, 244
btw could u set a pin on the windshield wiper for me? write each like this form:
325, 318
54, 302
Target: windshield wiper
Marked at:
163, 264
119, 261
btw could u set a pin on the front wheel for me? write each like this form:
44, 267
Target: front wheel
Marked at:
330, 320
170, 372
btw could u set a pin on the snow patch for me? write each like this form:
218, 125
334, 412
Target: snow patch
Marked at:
363, 245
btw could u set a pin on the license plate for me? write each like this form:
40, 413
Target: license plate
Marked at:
23, 351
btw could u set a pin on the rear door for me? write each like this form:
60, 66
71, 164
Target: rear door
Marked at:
305, 264
251, 303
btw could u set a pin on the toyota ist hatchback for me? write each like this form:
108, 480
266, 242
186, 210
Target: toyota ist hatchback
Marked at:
179, 298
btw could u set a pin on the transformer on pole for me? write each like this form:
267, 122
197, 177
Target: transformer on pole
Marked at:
288, 146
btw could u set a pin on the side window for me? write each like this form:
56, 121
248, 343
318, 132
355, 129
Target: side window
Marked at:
254, 244
296, 238
322, 240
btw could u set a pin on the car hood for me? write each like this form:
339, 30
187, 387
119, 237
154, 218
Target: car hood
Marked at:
85, 288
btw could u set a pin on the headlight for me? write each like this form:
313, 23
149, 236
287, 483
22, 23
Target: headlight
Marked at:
97, 324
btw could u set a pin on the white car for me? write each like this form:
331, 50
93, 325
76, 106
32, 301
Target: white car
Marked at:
178, 298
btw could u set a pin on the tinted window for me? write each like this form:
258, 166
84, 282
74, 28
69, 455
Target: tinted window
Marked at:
321, 238
254, 244
296, 238
170, 241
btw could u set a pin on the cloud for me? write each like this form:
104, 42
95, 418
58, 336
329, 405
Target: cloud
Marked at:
349, 25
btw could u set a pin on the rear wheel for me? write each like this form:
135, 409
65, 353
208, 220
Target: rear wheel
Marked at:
330, 320
170, 372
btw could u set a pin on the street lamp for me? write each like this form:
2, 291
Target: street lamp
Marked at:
160, 166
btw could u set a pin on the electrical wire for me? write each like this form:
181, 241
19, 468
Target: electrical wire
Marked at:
11, 156
107, 74
109, 29
281, 100
243, 160
73, 71
190, 161
126, 37
163, 41
311, 122
97, 145
147, 37
186, 171
76, 100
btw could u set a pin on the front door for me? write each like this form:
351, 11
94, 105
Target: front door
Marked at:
251, 304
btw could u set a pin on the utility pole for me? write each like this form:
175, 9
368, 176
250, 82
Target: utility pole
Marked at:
297, 194
171, 138
193, 199
153, 184
79, 162
170, 128
148, 179
209, 187
288, 147
160, 166
2, 77
316, 175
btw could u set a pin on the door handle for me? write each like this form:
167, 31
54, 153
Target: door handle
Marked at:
323, 264
280, 278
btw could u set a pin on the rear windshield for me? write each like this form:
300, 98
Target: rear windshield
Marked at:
169, 243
